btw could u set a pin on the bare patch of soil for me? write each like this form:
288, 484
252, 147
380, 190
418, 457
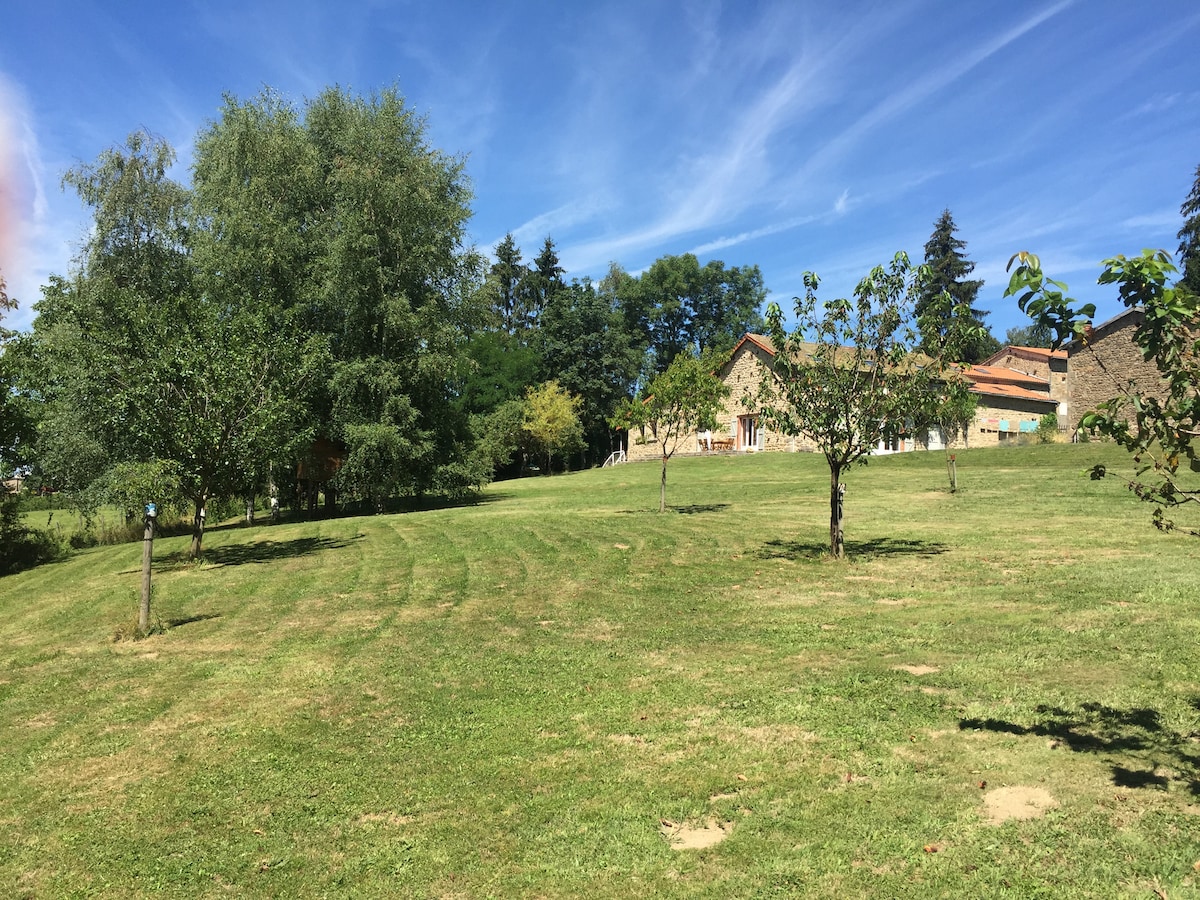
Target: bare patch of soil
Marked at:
685, 836
1017, 802
916, 670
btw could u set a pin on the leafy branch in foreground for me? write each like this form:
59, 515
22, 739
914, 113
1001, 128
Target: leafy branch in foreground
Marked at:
1158, 424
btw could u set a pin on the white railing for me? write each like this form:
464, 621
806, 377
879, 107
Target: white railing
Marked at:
614, 459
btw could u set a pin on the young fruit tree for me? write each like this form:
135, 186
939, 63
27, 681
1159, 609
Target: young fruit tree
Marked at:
682, 400
848, 376
1158, 424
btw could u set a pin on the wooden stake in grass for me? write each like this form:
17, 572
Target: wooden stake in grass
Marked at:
952, 470
837, 536
147, 554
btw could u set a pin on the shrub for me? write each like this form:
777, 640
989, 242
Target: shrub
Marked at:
22, 547
1047, 429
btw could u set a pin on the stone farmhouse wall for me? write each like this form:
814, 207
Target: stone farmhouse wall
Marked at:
1052, 367
998, 424
743, 374
997, 421
1105, 364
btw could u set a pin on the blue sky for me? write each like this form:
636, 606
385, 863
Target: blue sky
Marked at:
814, 135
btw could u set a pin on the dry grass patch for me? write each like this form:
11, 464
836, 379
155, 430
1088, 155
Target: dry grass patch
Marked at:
694, 835
1017, 802
916, 669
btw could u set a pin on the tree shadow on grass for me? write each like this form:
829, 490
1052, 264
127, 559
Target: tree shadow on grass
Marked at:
188, 620
878, 547
1141, 750
690, 510
262, 551
350, 509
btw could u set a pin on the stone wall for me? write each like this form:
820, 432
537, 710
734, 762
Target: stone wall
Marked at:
994, 424
1049, 366
743, 374
1109, 364
1013, 358
997, 424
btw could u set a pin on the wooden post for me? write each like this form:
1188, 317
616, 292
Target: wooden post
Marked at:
147, 554
839, 534
952, 470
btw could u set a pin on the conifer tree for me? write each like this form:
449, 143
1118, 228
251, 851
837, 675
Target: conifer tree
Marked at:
507, 274
946, 307
1189, 239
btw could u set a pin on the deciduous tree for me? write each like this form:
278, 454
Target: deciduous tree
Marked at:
682, 400
1158, 424
356, 226
146, 356
582, 344
848, 377
677, 302
551, 421
16, 424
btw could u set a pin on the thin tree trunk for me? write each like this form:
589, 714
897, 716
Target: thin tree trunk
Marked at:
198, 528
837, 541
662, 491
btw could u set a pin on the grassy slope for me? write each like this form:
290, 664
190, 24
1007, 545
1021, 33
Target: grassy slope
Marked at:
507, 699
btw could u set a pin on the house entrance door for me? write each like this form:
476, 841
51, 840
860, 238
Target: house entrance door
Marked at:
747, 432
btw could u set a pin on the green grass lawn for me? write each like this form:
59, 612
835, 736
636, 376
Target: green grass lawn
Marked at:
543, 694
67, 523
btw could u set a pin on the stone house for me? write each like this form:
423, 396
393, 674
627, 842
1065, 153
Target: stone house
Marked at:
1011, 403
1106, 363
1043, 363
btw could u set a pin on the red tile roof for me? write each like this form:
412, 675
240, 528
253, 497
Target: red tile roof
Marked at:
1010, 390
1001, 374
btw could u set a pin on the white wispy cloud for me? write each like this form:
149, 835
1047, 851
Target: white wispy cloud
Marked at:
921, 89
1159, 220
29, 248
549, 223
715, 187
722, 243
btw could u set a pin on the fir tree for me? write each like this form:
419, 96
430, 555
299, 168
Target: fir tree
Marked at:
543, 281
957, 322
1189, 238
508, 272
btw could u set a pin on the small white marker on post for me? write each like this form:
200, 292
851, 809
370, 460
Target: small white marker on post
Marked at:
147, 554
